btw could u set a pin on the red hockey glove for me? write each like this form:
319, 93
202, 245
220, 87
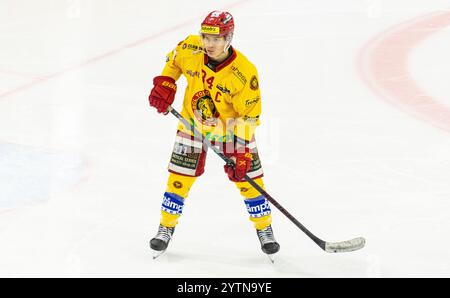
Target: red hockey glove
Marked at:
243, 163
163, 93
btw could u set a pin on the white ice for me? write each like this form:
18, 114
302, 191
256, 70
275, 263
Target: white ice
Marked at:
83, 157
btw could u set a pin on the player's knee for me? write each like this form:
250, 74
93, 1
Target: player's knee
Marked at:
179, 184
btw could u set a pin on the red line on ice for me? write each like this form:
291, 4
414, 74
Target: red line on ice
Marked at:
383, 65
18, 74
42, 79
100, 57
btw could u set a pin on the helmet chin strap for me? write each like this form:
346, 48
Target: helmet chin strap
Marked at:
225, 49
228, 39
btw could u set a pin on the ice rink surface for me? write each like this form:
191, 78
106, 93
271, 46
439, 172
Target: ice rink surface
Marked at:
354, 140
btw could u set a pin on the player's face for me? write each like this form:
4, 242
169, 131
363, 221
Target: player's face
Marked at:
214, 45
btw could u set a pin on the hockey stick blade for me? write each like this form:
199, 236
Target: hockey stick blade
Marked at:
345, 246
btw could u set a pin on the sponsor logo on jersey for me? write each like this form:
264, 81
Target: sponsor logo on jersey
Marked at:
204, 109
167, 58
251, 120
223, 89
254, 83
250, 102
219, 138
190, 46
193, 73
228, 137
239, 74
210, 29
181, 149
194, 47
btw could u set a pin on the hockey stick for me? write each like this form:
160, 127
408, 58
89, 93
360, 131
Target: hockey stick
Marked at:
344, 246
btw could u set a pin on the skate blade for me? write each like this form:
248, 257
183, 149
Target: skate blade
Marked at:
157, 253
271, 258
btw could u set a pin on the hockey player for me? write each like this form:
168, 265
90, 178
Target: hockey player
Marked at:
222, 100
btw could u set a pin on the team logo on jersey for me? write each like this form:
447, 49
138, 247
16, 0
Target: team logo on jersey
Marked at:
204, 109
254, 83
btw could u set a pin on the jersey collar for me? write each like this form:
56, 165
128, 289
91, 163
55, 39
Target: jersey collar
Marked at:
224, 63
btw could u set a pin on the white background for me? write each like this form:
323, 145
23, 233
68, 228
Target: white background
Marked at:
83, 157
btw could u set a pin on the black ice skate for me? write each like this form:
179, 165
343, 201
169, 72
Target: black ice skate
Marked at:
160, 242
268, 243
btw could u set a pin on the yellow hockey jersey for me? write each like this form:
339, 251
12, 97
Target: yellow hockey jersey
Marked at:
221, 103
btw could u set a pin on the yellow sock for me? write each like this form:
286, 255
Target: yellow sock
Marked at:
261, 223
249, 193
178, 187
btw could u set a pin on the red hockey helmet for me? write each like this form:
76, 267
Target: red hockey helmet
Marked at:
218, 23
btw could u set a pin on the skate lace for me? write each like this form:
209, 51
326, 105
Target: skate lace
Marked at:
164, 233
266, 235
